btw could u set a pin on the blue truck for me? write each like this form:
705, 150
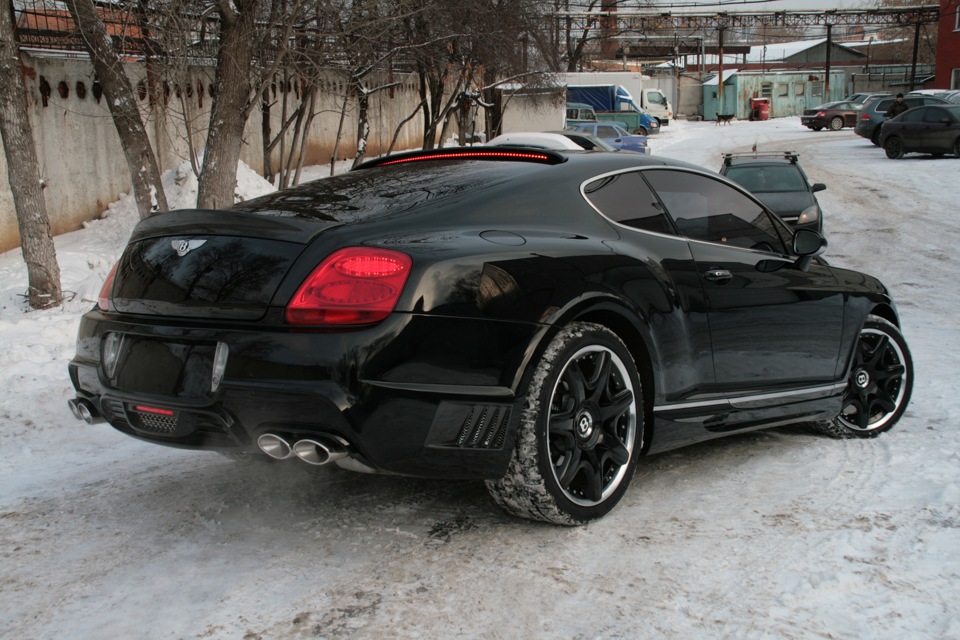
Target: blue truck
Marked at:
609, 102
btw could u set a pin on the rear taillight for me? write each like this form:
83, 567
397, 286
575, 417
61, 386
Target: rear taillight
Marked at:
356, 285
821, 113
103, 300
864, 116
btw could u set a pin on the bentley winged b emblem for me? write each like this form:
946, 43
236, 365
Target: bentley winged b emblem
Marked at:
183, 247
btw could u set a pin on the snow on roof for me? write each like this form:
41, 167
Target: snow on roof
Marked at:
780, 50
727, 74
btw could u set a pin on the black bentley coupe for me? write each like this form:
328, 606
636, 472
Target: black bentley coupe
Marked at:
532, 318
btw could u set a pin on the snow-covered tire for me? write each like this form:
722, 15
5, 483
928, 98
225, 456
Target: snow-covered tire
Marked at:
580, 432
879, 384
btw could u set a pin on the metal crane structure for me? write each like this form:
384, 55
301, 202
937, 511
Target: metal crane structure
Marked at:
638, 25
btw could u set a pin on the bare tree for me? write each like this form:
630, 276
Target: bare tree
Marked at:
36, 245
121, 100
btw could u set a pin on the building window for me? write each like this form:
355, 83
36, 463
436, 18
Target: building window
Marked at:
798, 88
955, 79
956, 20
816, 89
766, 89
783, 89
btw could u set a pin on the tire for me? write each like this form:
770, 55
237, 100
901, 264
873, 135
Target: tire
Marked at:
956, 148
875, 136
580, 431
894, 148
879, 385
641, 131
836, 124
816, 127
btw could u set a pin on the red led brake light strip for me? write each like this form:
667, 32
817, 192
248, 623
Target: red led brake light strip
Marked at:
474, 154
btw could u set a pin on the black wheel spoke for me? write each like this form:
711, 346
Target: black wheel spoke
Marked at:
616, 450
593, 477
601, 374
616, 407
571, 466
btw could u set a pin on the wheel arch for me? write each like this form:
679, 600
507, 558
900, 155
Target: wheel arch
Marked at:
886, 312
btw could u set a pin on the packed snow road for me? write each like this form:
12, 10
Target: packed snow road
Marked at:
773, 534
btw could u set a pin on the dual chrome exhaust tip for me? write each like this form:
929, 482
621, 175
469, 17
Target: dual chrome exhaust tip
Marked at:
316, 451
83, 409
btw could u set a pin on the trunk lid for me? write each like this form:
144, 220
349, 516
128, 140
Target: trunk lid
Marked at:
210, 264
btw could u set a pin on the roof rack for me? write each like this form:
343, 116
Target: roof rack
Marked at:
515, 153
792, 156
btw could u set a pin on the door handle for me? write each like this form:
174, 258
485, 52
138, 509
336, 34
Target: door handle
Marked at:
720, 276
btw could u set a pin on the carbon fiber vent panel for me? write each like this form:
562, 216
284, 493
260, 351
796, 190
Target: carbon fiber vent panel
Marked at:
470, 426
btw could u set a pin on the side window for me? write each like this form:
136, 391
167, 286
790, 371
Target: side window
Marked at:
704, 208
626, 198
914, 116
934, 114
606, 131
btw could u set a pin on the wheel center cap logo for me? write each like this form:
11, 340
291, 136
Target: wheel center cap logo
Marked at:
862, 379
585, 425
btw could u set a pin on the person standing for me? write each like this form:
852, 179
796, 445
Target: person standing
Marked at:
898, 107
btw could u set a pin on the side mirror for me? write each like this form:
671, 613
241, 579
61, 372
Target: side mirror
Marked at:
818, 186
807, 245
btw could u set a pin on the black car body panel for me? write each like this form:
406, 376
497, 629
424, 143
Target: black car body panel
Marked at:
929, 129
504, 253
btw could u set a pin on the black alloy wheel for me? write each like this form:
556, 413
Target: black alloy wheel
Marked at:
836, 123
580, 433
894, 148
879, 385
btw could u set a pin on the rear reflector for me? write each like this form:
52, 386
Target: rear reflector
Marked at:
356, 285
154, 410
103, 300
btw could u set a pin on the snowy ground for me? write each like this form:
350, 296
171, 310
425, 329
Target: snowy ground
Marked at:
776, 534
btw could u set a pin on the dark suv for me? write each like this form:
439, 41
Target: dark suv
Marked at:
777, 180
874, 112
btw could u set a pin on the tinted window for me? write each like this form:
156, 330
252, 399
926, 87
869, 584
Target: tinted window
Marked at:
883, 105
935, 114
606, 131
769, 179
913, 116
707, 209
626, 198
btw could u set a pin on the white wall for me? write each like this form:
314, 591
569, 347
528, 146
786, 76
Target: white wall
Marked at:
83, 165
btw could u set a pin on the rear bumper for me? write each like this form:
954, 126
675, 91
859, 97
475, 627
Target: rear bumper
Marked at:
445, 407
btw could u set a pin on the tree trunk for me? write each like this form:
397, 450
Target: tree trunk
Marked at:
36, 245
363, 122
144, 172
231, 105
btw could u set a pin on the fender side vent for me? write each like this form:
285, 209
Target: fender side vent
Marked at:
470, 426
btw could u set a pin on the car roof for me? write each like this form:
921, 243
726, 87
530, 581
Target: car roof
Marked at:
760, 158
541, 139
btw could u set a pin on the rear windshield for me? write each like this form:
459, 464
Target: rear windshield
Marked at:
767, 179
383, 191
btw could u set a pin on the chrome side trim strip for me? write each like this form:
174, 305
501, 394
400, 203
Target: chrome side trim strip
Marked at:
760, 399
